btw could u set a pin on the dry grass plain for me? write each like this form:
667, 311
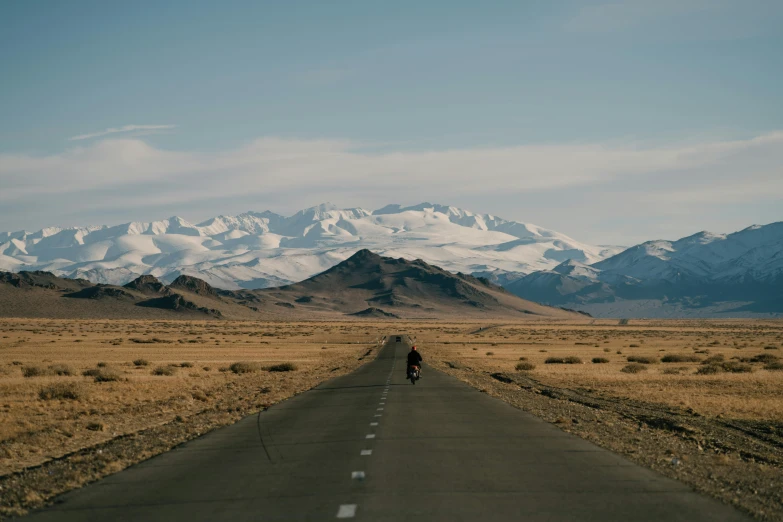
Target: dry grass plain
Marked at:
68, 386
713, 418
746, 358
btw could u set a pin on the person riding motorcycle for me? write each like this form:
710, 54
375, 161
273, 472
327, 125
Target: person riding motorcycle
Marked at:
414, 359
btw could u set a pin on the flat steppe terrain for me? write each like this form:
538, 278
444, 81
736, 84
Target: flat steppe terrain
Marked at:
82, 399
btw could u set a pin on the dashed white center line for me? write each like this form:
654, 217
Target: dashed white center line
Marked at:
373, 424
357, 475
379, 409
377, 415
366, 452
370, 436
346, 511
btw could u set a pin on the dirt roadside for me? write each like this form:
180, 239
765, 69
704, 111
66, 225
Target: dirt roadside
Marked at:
737, 462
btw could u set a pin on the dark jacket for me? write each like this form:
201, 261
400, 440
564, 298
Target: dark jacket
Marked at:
414, 358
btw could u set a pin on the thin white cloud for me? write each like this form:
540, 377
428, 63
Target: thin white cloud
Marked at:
126, 128
571, 187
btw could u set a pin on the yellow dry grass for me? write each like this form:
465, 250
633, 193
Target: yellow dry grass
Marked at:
757, 395
35, 429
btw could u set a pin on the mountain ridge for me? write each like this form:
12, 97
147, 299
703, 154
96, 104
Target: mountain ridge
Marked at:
265, 249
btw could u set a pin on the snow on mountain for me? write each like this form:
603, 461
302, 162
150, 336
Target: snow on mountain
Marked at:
262, 249
715, 275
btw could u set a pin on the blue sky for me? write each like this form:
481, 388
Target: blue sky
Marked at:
392, 88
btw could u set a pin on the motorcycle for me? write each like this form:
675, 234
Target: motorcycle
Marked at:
413, 373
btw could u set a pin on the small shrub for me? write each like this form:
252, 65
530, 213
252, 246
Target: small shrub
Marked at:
33, 371
60, 390
244, 367
672, 371
710, 369
92, 372
167, 371
607, 350
207, 368
737, 367
282, 367
490, 353
107, 375
61, 369
776, 365
680, 358
101, 365
523, 358
96, 426
764, 358
633, 346
633, 368
600, 360
525, 366
554, 360
713, 359
186, 365
770, 347
141, 362
571, 359
642, 359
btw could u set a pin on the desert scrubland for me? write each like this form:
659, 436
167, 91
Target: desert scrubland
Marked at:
701, 401
81, 399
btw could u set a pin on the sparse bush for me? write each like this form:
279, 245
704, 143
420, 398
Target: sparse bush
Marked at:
713, 359
770, 347
672, 371
96, 426
490, 353
523, 358
282, 367
107, 375
60, 390
633, 368
680, 358
600, 360
92, 372
166, 371
764, 358
571, 359
244, 367
737, 367
101, 365
61, 369
186, 365
34, 371
207, 368
642, 359
633, 346
525, 366
710, 369
141, 362
776, 365
554, 360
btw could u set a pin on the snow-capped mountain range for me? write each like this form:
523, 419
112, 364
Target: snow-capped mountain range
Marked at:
257, 250
704, 274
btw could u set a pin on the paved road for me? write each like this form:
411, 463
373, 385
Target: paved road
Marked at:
371, 446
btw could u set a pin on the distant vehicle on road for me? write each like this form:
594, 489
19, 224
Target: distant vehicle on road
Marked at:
399, 339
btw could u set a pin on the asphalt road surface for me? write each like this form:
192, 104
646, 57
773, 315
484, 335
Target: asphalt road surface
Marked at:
373, 447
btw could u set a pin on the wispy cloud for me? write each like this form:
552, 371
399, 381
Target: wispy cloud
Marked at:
576, 188
123, 129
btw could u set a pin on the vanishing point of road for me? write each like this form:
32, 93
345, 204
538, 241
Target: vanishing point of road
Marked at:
370, 446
